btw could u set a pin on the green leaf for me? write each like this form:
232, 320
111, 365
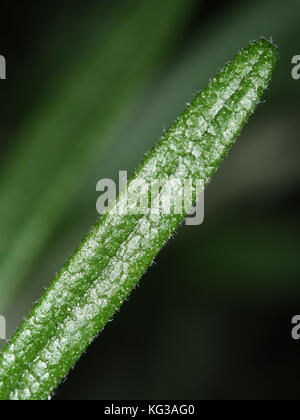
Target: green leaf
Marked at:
107, 266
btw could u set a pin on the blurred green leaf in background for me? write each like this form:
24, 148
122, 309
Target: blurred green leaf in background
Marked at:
64, 136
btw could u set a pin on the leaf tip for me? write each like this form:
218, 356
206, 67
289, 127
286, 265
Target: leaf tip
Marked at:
271, 49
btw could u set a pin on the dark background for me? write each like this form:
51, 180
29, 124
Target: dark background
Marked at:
212, 317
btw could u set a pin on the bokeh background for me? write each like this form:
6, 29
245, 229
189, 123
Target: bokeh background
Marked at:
90, 88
